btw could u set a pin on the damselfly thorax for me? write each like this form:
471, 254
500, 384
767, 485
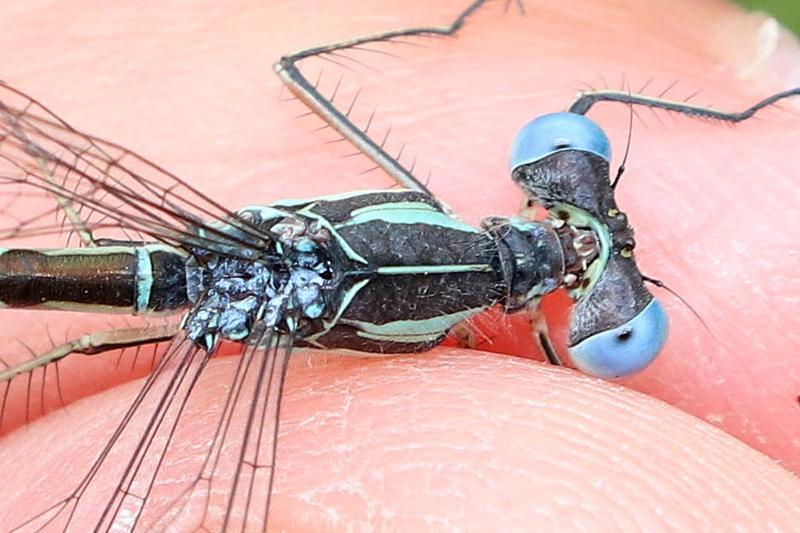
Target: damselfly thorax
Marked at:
377, 272
372, 271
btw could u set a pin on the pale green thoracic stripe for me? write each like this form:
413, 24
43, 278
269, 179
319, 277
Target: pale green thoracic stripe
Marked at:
434, 269
426, 326
346, 299
411, 216
294, 202
399, 206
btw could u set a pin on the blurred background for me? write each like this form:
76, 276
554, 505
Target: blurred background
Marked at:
786, 11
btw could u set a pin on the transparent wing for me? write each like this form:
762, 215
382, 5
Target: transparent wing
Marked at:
102, 189
225, 474
50, 360
100, 185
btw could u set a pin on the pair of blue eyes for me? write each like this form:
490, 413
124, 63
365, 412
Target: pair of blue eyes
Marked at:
633, 345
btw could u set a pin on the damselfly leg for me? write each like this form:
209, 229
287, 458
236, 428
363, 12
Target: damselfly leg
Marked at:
121, 194
188, 378
306, 91
587, 99
103, 186
101, 215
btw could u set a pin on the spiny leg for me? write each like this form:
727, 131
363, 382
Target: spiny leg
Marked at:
91, 344
586, 100
541, 333
66, 205
468, 335
287, 70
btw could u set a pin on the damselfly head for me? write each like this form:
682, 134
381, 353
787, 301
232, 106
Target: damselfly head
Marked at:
617, 327
557, 132
562, 160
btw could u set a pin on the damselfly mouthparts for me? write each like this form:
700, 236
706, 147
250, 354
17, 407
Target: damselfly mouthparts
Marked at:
234, 231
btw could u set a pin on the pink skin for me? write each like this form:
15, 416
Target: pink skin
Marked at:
460, 438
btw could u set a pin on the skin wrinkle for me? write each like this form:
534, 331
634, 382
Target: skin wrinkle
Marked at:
703, 379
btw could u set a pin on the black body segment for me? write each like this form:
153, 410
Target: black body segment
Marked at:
168, 292
408, 271
33, 278
533, 259
124, 279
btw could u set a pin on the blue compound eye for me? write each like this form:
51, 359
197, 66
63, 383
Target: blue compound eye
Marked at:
556, 132
625, 349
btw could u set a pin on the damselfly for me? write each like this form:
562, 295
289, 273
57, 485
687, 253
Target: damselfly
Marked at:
306, 244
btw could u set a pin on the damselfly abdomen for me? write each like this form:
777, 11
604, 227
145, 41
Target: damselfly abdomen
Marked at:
385, 272
381, 271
